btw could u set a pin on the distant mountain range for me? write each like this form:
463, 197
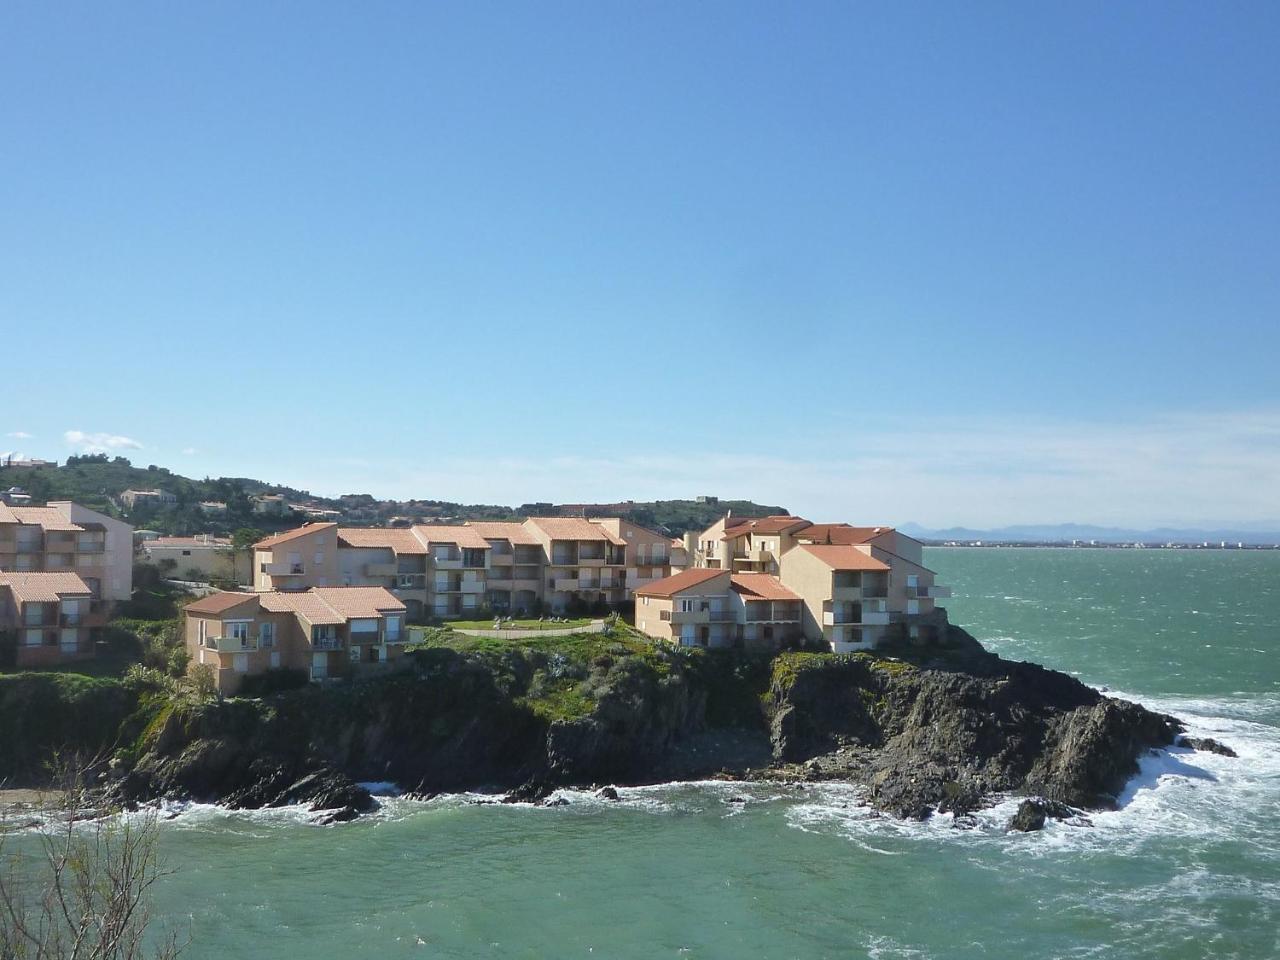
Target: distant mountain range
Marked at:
1066, 532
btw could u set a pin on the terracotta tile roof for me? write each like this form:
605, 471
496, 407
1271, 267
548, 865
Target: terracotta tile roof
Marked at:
760, 586
569, 528
6, 514
44, 587
463, 536
326, 605
393, 538
517, 533
840, 533
356, 602
301, 603
289, 535
612, 537
844, 557
48, 517
220, 602
672, 585
746, 525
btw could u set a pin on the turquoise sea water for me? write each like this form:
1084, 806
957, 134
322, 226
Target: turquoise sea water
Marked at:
1188, 867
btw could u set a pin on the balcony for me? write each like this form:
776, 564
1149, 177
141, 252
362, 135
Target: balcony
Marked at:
846, 594
231, 644
690, 616
501, 559
70, 619
472, 586
283, 569
381, 569
446, 562
564, 584
327, 643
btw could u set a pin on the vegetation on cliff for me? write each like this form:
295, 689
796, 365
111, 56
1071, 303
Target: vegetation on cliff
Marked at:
921, 729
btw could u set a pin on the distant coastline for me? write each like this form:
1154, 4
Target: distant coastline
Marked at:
1138, 545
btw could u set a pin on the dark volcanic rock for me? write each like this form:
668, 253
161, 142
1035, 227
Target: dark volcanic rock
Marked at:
940, 727
944, 735
1208, 744
531, 791
607, 793
1033, 811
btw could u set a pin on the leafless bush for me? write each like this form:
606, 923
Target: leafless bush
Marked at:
79, 884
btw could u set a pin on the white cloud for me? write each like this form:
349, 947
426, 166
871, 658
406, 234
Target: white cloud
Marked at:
99, 442
1183, 470
189, 451
19, 435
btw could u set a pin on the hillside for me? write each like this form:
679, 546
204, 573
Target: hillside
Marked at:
98, 480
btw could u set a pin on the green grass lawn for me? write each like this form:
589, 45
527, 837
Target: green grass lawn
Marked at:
517, 624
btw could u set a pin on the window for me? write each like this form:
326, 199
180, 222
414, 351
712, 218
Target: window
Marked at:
267, 634
686, 606
202, 631
319, 558
393, 628
354, 653
238, 630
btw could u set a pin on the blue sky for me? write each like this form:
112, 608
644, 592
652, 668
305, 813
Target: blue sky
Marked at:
971, 264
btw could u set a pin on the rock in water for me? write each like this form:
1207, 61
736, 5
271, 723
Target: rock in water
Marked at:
1033, 812
1208, 744
1030, 817
607, 793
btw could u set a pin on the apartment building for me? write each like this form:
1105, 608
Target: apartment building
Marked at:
851, 587
326, 631
203, 557
65, 537
154, 498
456, 570
709, 607
49, 616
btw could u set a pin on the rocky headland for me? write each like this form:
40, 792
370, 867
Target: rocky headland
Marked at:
944, 728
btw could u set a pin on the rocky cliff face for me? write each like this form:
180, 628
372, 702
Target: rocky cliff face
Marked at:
947, 727
937, 728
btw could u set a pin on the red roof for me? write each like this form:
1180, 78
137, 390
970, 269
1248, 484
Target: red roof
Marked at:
672, 585
844, 557
840, 533
761, 586
216, 603
776, 524
288, 535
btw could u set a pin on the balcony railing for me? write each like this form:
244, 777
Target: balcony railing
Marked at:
327, 643
282, 569
231, 644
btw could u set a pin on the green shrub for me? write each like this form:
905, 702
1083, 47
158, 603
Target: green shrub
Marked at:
8, 649
45, 714
273, 681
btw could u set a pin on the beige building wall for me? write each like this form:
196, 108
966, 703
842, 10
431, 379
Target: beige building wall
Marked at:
703, 615
309, 559
113, 567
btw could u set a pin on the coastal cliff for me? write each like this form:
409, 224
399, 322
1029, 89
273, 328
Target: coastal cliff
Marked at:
937, 728
920, 729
